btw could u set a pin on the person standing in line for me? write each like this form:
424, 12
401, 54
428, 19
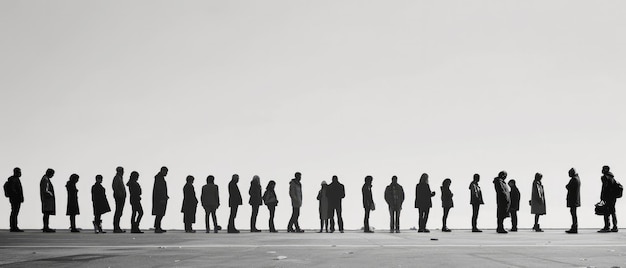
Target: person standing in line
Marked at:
336, 192
190, 204
476, 200
573, 199
72, 202
503, 200
210, 202
15, 194
256, 200
100, 204
270, 200
322, 196
159, 199
48, 203
234, 201
394, 195
368, 203
423, 202
538, 201
295, 193
609, 196
134, 189
515, 199
446, 203
119, 194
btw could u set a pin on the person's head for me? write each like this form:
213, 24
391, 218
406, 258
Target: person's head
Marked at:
17, 172
298, 176
190, 179
572, 172
119, 170
476, 178
235, 178
335, 179
271, 185
512, 183
50, 173
164, 171
424, 178
368, 179
446, 183
502, 174
73, 178
605, 169
256, 180
394, 179
538, 176
210, 179
324, 184
134, 176
99, 178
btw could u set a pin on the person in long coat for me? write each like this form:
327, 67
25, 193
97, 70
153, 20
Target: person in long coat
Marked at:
295, 193
368, 203
336, 192
190, 204
134, 190
72, 202
100, 204
394, 196
256, 200
476, 200
515, 199
48, 202
119, 195
503, 200
322, 197
609, 197
16, 198
537, 201
446, 202
573, 199
159, 199
234, 201
271, 201
423, 202
210, 202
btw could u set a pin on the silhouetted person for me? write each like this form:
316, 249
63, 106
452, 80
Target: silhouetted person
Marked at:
119, 194
134, 189
423, 202
515, 199
72, 202
394, 195
573, 199
48, 203
446, 202
537, 201
295, 193
608, 195
256, 200
234, 201
336, 192
15, 194
476, 199
503, 200
190, 204
159, 199
210, 202
322, 197
271, 201
100, 204
368, 203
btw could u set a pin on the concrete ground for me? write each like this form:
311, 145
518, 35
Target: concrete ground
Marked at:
460, 248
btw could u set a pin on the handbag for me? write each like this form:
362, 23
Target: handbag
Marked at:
601, 208
372, 206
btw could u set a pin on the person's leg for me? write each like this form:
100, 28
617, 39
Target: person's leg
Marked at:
296, 222
614, 221
606, 222
255, 213
366, 220
339, 217
73, 222
271, 220
331, 210
291, 220
572, 211
139, 216
426, 212
514, 220
444, 219
214, 217
46, 220
420, 219
15, 210
391, 219
231, 219
119, 206
398, 220
475, 209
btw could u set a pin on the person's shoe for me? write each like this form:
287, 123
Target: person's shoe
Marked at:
289, 230
538, 228
158, 231
614, 230
391, 231
397, 231
191, 231
341, 231
420, 230
332, 231
502, 231
446, 230
48, 230
255, 230
320, 231
476, 230
369, 231
273, 231
119, 231
215, 231
572, 231
136, 231
299, 231
604, 230
233, 231
514, 229
74, 230
426, 231
16, 230
95, 227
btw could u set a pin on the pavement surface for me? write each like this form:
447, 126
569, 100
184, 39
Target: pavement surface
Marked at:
460, 248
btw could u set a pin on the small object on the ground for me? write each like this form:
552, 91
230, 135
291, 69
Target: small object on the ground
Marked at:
434, 239
349, 252
278, 258
176, 260
333, 246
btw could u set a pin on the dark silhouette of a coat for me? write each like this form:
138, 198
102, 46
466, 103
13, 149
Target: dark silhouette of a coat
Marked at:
46, 193
336, 191
538, 199
234, 198
503, 198
366, 191
256, 199
72, 199
394, 195
99, 199
190, 203
295, 192
573, 192
134, 189
159, 196
210, 196
322, 196
269, 198
476, 195
515, 199
607, 193
423, 196
446, 197
119, 191
16, 193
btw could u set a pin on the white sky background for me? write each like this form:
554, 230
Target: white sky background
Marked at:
324, 87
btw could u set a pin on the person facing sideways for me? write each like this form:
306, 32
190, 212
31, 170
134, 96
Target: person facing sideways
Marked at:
322, 196
190, 204
295, 193
270, 200
159, 199
256, 200
573, 199
119, 194
134, 189
446, 203
48, 204
394, 196
100, 204
13, 190
503, 200
476, 199
423, 202
515, 199
336, 192
368, 203
537, 201
234, 201
72, 202
609, 196
210, 202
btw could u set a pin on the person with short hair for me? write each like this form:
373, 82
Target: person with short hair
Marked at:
336, 192
538, 201
476, 200
446, 202
515, 199
295, 193
190, 204
100, 204
48, 203
134, 189
119, 194
503, 200
159, 199
368, 203
234, 201
15, 193
256, 200
573, 198
394, 196
210, 202
609, 197
72, 202
322, 197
